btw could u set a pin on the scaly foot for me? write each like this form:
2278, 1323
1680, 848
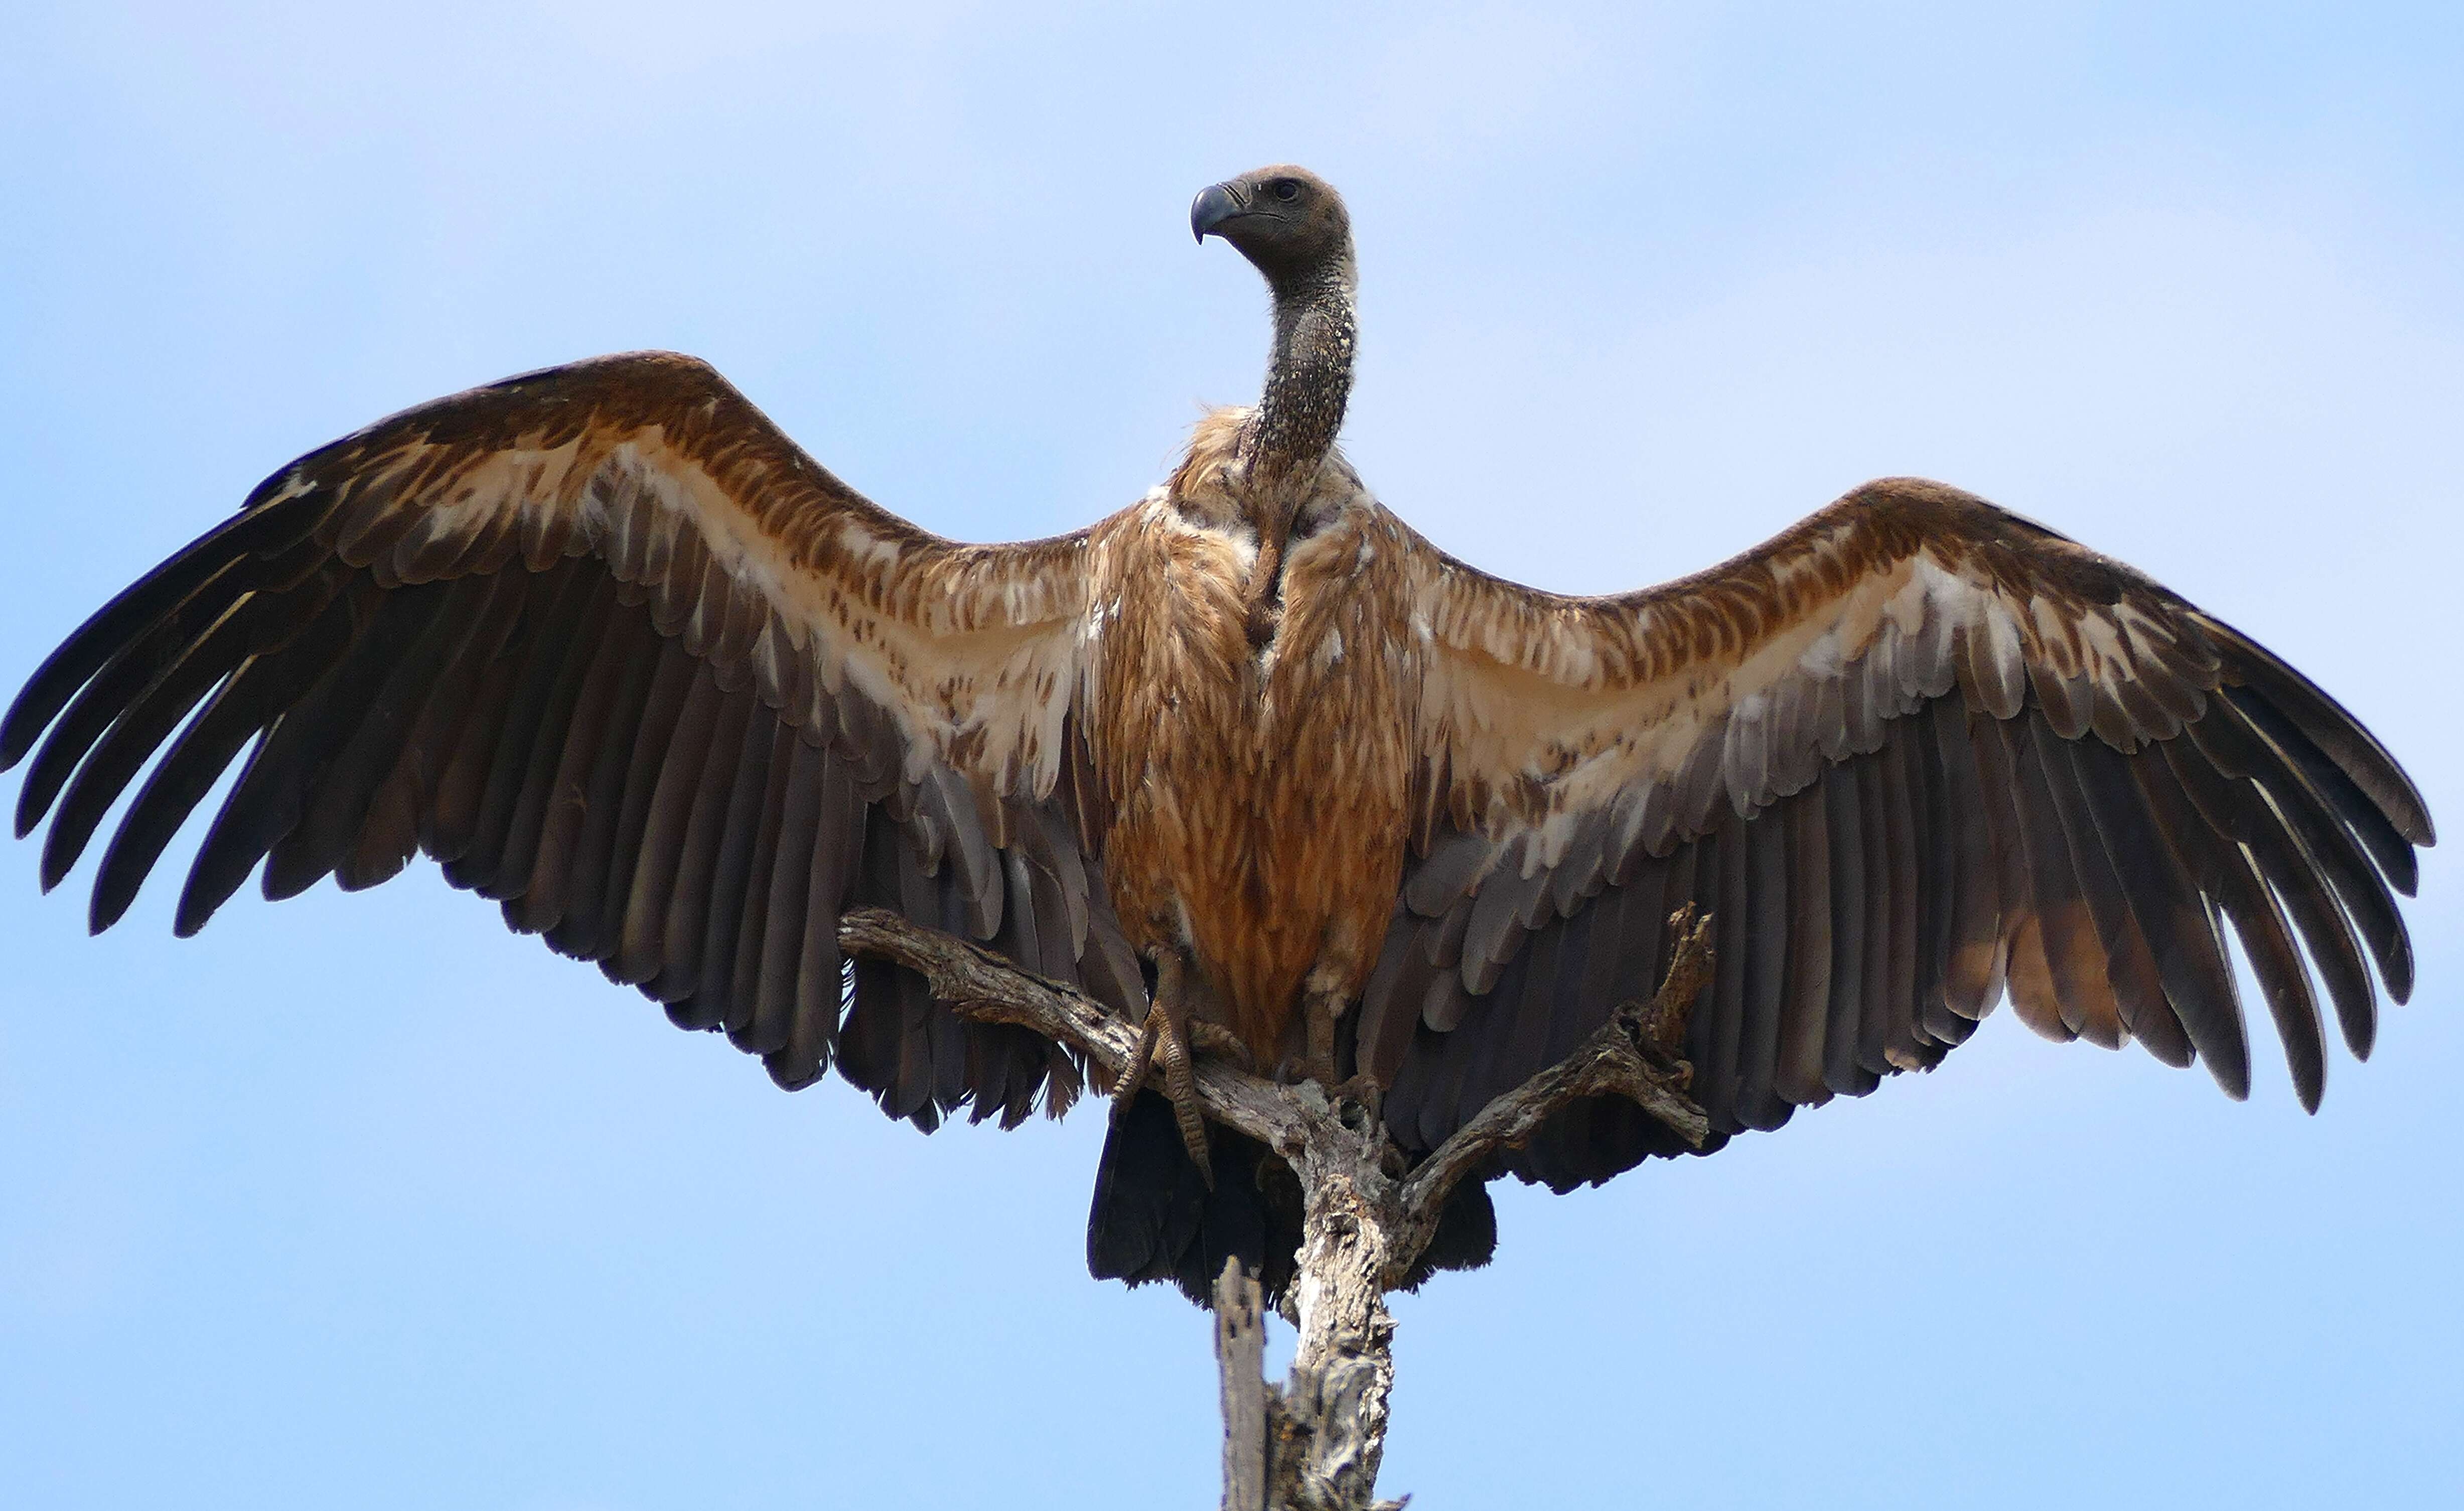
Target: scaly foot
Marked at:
1319, 1010
1164, 1037
1214, 1039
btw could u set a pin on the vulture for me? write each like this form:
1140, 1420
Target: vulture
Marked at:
1250, 761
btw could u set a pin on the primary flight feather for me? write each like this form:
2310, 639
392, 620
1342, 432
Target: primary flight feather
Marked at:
1250, 761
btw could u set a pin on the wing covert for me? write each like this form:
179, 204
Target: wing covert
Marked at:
1913, 754
609, 647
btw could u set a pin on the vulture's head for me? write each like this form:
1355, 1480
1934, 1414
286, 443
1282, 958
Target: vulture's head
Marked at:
1286, 220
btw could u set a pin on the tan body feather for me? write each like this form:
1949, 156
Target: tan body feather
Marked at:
1259, 793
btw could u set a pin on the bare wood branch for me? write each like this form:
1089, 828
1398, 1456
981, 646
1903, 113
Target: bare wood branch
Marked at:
1330, 1431
1240, 1354
1632, 1055
989, 988
985, 986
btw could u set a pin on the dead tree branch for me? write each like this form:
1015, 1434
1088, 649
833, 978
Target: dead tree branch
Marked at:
1633, 1054
985, 986
1315, 1443
1240, 1356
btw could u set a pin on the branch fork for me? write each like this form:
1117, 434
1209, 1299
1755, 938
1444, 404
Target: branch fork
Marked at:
1315, 1442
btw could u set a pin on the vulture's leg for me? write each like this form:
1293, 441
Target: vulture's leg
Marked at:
1164, 1037
1321, 1011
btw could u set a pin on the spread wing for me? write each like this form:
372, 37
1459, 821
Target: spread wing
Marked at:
1910, 754
604, 642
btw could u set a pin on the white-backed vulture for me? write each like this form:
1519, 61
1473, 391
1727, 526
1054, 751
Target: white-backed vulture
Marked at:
610, 648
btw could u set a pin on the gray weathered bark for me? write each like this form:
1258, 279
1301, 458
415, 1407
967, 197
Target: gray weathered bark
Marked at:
1315, 1442
1241, 1357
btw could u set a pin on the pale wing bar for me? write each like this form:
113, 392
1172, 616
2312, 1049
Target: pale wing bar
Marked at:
1887, 852
583, 714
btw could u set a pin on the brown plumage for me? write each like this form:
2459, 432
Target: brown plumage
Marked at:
611, 650
1258, 795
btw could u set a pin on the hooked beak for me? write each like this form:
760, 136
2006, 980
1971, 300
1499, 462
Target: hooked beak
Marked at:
1215, 205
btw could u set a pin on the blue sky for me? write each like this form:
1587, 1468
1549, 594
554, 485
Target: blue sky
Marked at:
360, 1201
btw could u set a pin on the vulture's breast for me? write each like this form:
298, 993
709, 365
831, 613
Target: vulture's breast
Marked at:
1258, 795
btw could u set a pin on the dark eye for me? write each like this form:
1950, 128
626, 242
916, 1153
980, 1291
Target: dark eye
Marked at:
1285, 189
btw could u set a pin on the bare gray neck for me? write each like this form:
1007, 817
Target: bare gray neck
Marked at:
1309, 379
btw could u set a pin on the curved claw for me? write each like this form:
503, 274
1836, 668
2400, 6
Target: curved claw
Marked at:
1133, 1076
1180, 1084
1164, 1038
